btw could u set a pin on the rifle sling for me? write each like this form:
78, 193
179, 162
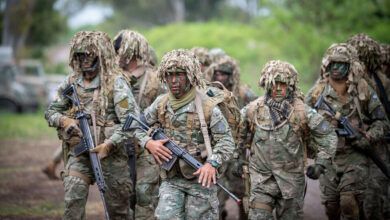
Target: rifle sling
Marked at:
383, 96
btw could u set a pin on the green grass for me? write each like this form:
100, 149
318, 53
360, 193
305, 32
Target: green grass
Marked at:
30, 126
40, 209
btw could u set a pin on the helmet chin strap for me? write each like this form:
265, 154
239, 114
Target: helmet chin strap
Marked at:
93, 67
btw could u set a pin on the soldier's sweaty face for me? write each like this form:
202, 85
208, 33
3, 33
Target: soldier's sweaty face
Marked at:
279, 91
178, 83
222, 77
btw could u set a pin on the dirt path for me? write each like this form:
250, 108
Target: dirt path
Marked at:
26, 193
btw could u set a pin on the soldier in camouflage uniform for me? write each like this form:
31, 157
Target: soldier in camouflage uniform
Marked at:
133, 52
280, 125
104, 94
343, 85
181, 195
369, 54
205, 60
227, 71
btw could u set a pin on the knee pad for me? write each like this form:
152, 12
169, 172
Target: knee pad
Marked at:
348, 205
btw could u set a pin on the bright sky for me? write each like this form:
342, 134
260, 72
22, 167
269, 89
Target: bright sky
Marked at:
91, 14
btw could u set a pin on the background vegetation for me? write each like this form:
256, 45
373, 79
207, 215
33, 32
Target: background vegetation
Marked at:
252, 31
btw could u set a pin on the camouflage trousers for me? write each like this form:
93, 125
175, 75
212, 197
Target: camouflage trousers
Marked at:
291, 208
343, 186
234, 184
147, 186
183, 199
117, 179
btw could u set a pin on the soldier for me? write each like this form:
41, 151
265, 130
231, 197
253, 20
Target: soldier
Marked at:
343, 85
104, 94
205, 61
227, 71
385, 53
369, 53
181, 195
133, 52
280, 125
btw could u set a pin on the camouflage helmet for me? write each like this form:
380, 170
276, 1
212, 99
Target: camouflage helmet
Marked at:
385, 53
92, 42
153, 56
203, 55
343, 52
216, 52
183, 60
283, 71
130, 43
368, 50
230, 66
99, 44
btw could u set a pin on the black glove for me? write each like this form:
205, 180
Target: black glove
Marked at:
314, 171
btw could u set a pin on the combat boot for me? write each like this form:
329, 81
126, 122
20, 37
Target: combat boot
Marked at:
50, 170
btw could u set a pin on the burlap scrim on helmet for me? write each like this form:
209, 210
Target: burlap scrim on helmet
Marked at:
277, 68
203, 55
368, 50
228, 65
153, 56
344, 52
385, 53
132, 44
98, 44
182, 59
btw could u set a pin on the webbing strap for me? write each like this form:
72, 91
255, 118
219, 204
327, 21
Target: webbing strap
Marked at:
142, 88
190, 122
95, 95
259, 205
203, 125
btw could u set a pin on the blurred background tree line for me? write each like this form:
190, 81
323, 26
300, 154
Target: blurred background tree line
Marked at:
252, 31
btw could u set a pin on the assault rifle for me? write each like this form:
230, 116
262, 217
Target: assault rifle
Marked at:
349, 131
158, 134
87, 144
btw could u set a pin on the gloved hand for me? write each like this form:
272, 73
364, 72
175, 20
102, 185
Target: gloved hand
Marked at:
314, 171
361, 142
103, 149
237, 169
71, 126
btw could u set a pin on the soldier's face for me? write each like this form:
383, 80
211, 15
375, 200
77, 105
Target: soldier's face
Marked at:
338, 70
88, 64
222, 77
178, 83
279, 91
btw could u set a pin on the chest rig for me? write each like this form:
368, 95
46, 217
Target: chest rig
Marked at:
188, 136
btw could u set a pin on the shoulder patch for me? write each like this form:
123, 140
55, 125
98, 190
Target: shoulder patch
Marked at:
124, 103
220, 127
375, 96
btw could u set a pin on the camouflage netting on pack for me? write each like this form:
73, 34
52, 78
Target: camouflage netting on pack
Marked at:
228, 65
368, 50
285, 71
98, 44
182, 59
203, 55
385, 53
344, 52
132, 43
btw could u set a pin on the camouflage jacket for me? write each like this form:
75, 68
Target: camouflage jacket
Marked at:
373, 115
279, 152
150, 85
177, 129
120, 103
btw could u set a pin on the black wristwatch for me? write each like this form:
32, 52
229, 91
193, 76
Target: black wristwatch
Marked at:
213, 163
